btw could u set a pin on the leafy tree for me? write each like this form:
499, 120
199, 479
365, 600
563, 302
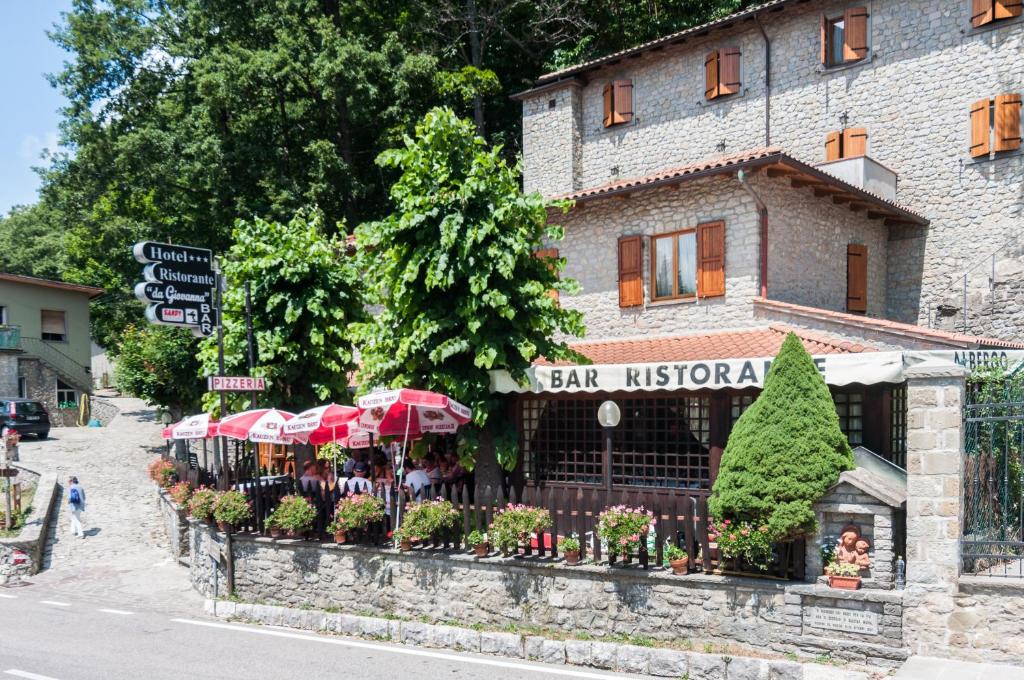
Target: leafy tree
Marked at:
785, 451
31, 242
159, 364
305, 293
454, 270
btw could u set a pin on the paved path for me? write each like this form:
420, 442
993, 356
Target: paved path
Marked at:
925, 668
124, 556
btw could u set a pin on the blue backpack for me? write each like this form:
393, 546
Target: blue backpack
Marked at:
74, 497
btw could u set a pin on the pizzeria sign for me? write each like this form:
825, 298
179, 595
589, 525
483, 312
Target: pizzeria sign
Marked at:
227, 383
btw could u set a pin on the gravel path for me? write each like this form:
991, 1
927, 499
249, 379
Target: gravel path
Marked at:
124, 555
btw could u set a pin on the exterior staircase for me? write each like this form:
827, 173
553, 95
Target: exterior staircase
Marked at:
69, 370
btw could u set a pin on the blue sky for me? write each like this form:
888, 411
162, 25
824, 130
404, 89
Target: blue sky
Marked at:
28, 108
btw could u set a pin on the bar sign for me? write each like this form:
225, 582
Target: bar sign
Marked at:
226, 383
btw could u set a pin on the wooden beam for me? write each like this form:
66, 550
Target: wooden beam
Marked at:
825, 190
800, 183
899, 222
842, 198
877, 214
779, 171
857, 206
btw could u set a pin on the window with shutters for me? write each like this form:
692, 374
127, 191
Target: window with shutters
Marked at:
995, 125
618, 102
846, 143
856, 278
53, 327
845, 38
688, 263
549, 254
722, 73
985, 12
631, 286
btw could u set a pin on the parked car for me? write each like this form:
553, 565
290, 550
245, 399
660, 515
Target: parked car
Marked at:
25, 417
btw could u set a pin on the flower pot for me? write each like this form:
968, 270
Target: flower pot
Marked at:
627, 558
276, 532
405, 545
572, 557
680, 567
844, 582
224, 526
481, 550
340, 537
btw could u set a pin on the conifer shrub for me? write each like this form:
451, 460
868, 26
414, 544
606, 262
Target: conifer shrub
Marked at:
784, 452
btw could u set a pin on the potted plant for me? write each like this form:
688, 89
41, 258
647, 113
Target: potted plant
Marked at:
513, 524
231, 509
677, 559
180, 493
161, 471
742, 543
477, 540
570, 547
425, 520
356, 513
200, 505
624, 529
294, 515
843, 575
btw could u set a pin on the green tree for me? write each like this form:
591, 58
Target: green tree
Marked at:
305, 294
159, 364
454, 270
785, 451
31, 242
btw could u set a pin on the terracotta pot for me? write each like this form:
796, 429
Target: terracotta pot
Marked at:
627, 558
481, 550
224, 526
844, 582
679, 567
276, 532
572, 557
340, 537
405, 545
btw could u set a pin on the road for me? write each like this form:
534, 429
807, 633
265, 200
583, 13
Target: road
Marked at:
115, 605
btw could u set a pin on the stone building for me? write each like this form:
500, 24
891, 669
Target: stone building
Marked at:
44, 343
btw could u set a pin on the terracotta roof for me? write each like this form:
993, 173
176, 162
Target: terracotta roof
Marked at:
49, 283
773, 158
672, 38
749, 343
894, 328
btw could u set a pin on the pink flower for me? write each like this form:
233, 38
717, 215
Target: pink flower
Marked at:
726, 522
634, 537
732, 537
745, 532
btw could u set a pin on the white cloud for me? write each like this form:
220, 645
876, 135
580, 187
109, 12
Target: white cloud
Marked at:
33, 146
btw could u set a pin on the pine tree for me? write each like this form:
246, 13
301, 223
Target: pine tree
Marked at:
785, 451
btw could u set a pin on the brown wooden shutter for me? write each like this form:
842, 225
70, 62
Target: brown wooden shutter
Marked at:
711, 259
729, 71
824, 40
855, 142
856, 278
608, 105
980, 145
622, 101
982, 12
543, 254
1007, 126
631, 285
711, 75
833, 146
1007, 9
855, 33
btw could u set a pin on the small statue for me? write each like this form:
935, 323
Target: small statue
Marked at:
853, 548
863, 559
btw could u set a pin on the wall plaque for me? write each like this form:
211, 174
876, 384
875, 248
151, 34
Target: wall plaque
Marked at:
847, 620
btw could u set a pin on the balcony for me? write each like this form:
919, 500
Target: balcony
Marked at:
864, 173
10, 337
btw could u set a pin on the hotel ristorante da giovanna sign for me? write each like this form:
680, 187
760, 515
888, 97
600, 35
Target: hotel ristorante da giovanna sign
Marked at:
178, 287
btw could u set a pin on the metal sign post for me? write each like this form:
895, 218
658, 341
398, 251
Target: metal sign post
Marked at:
252, 404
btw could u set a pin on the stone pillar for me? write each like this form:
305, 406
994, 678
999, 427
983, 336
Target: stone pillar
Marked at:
8, 374
552, 139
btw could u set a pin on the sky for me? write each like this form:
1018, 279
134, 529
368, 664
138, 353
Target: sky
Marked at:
29, 116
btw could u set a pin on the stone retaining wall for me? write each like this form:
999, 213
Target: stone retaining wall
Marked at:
175, 524
22, 555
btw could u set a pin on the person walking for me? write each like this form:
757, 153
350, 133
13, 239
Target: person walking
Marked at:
76, 499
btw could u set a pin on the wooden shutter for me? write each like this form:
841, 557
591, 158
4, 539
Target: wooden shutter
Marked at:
855, 34
856, 278
608, 105
1007, 127
711, 259
1007, 9
543, 254
980, 128
855, 142
824, 40
631, 284
833, 151
729, 71
982, 12
711, 75
622, 101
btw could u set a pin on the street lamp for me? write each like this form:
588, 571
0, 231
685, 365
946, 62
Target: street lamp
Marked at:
608, 415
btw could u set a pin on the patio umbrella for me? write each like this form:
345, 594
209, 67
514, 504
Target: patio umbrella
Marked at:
320, 425
193, 427
262, 425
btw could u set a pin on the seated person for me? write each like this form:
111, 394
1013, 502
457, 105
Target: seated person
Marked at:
431, 468
359, 482
383, 476
309, 479
416, 481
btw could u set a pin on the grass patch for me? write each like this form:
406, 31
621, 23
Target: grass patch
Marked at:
27, 496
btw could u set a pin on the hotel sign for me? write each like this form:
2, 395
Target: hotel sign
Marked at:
178, 286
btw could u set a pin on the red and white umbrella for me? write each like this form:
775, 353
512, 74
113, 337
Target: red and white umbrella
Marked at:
405, 411
322, 418
193, 427
264, 425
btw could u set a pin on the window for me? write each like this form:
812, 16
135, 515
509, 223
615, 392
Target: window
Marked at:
844, 39
22, 388
898, 426
67, 396
3, 315
53, 327
987, 11
722, 73
618, 102
995, 125
739, 404
856, 278
850, 409
846, 143
631, 286
549, 253
688, 263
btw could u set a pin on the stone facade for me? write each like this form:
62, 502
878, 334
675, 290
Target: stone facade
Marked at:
22, 555
925, 66
8, 373
175, 524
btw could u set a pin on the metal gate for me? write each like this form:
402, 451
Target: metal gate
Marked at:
993, 529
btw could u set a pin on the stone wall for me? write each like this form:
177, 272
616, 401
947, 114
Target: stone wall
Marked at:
22, 555
175, 524
8, 373
103, 410
920, 130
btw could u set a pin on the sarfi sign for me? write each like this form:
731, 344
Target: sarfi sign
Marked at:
178, 287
